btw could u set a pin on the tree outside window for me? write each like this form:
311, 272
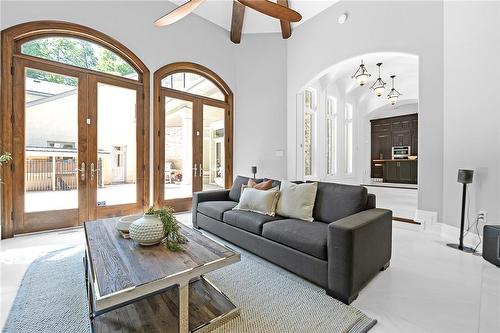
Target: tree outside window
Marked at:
308, 142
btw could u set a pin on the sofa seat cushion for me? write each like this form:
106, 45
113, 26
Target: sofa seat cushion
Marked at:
304, 236
249, 221
216, 209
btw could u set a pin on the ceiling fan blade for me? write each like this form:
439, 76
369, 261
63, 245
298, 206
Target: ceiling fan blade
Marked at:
272, 9
178, 13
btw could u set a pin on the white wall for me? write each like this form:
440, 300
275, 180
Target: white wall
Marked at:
254, 70
471, 106
378, 26
260, 62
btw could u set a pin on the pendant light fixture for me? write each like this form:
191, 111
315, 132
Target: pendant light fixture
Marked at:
361, 75
379, 85
394, 94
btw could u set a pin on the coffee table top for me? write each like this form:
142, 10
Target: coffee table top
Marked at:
119, 265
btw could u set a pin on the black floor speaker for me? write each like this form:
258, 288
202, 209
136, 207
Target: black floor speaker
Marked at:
491, 244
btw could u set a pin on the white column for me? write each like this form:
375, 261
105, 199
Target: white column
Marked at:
53, 172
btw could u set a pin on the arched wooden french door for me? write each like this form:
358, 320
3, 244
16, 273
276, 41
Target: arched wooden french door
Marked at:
193, 126
75, 115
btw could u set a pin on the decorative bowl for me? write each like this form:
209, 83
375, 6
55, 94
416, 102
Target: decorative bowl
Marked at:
412, 157
147, 230
123, 223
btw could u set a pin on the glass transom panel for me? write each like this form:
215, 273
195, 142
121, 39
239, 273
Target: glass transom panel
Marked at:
80, 53
194, 84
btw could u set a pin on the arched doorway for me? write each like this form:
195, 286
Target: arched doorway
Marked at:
193, 123
347, 133
75, 117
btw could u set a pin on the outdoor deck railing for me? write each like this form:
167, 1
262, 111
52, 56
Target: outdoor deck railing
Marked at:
50, 175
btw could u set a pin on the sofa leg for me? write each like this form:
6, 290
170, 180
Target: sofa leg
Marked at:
385, 266
343, 299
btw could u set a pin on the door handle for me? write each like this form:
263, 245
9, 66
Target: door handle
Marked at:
92, 170
195, 169
82, 171
201, 170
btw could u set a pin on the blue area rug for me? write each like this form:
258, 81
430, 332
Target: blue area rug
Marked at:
52, 298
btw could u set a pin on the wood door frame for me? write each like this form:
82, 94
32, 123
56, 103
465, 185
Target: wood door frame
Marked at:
122, 209
11, 39
159, 135
27, 221
179, 203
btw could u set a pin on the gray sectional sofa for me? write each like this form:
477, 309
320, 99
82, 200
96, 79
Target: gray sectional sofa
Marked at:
345, 246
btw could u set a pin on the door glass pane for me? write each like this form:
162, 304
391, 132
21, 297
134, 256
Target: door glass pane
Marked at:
116, 169
51, 141
213, 148
178, 148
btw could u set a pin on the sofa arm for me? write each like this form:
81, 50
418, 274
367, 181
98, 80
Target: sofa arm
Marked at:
215, 195
358, 247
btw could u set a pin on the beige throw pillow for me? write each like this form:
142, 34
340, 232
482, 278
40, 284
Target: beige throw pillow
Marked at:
258, 201
297, 200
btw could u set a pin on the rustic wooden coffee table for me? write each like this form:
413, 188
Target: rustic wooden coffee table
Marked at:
133, 288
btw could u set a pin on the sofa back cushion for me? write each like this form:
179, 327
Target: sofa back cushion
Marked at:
235, 192
336, 201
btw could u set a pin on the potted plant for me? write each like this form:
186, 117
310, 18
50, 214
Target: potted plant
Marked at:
4, 158
158, 225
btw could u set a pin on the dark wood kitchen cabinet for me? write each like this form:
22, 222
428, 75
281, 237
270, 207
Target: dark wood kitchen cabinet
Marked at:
389, 132
402, 138
404, 171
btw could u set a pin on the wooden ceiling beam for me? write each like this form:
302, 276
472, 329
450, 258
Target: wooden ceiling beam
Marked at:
237, 21
286, 26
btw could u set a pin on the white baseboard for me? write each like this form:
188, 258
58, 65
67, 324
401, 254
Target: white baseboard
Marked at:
426, 218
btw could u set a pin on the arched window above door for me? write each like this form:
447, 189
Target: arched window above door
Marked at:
193, 83
193, 113
71, 91
80, 53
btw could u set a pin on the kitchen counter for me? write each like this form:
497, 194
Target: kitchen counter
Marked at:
396, 160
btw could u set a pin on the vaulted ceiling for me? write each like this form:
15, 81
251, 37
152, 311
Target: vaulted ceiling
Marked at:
404, 66
220, 13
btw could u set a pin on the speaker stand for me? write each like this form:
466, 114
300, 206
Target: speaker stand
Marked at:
460, 246
464, 248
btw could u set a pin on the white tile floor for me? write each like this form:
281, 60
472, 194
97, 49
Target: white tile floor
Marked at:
428, 287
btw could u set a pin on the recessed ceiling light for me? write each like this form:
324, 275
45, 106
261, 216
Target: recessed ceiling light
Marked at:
342, 18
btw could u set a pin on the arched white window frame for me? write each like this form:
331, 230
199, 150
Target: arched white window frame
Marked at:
331, 136
309, 160
348, 139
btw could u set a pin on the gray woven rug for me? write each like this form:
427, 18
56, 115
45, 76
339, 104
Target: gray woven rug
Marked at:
52, 298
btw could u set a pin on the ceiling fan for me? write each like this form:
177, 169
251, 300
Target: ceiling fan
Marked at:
279, 10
